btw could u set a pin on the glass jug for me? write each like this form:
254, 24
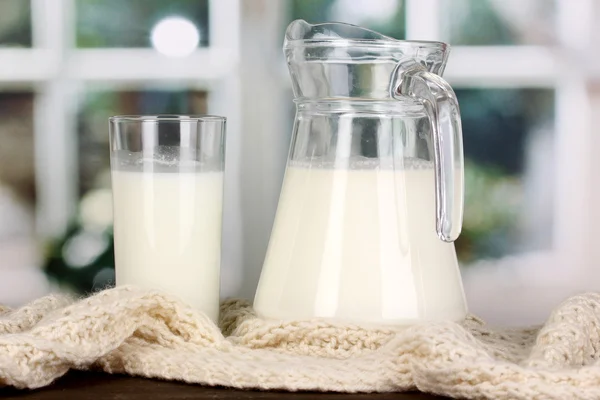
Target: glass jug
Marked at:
372, 197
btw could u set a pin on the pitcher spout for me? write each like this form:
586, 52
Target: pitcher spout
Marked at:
300, 30
338, 60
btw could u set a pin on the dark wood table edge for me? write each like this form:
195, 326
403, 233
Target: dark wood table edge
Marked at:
98, 386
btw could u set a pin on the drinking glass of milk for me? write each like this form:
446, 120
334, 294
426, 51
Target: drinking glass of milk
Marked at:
167, 182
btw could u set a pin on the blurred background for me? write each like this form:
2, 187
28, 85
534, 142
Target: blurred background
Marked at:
524, 71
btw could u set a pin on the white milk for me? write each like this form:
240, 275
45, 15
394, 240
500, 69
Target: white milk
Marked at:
359, 245
167, 230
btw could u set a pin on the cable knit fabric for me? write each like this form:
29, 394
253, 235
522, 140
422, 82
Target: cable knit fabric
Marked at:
150, 334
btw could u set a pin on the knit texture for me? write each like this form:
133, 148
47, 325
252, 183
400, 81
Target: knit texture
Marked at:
150, 334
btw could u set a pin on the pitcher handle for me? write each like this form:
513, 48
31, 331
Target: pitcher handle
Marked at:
439, 100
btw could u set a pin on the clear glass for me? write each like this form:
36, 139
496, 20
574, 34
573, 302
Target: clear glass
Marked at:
358, 234
167, 181
117, 23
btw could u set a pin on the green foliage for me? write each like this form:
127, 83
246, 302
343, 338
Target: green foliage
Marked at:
476, 23
492, 205
15, 23
312, 11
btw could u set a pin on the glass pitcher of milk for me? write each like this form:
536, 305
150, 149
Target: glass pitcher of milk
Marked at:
372, 198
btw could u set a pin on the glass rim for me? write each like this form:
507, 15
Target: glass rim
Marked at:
168, 118
380, 41
366, 43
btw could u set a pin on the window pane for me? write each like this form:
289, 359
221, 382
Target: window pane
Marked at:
15, 23
21, 279
98, 106
83, 260
16, 136
498, 22
118, 23
508, 154
384, 16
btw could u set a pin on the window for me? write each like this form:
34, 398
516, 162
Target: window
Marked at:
508, 145
492, 22
122, 24
15, 23
68, 65
525, 97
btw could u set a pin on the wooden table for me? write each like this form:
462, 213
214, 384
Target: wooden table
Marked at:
98, 386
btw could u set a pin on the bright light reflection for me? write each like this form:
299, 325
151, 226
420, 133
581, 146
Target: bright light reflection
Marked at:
175, 37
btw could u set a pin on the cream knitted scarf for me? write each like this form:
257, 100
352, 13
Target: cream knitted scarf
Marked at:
146, 333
